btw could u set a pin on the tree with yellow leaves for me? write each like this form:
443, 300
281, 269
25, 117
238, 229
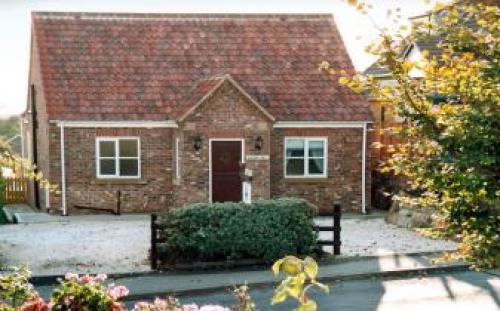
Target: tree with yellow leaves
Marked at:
451, 144
21, 167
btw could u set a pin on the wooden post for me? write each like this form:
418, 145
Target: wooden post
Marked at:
154, 236
118, 202
336, 229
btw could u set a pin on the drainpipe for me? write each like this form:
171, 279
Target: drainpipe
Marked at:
63, 172
34, 124
363, 172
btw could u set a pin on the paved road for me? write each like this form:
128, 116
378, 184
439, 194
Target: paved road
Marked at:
452, 291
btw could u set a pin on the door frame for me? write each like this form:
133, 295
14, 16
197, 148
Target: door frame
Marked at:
210, 140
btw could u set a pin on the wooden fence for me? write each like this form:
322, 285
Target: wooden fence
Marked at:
155, 240
334, 228
16, 190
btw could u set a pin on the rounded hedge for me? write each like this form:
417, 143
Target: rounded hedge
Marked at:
264, 230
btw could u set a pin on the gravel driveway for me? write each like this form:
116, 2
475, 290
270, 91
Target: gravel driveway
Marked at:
84, 244
368, 236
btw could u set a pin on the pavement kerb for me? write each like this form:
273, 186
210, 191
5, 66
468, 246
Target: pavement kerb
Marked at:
347, 277
41, 280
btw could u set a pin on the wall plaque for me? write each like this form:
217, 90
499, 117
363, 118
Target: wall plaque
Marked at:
257, 157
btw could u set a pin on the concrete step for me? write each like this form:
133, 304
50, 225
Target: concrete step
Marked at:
11, 210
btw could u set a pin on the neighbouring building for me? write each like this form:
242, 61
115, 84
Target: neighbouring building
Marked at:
173, 109
384, 117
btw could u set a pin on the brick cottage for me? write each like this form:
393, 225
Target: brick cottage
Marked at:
173, 109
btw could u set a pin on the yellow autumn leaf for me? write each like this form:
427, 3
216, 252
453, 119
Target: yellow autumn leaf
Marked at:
343, 80
277, 265
310, 268
296, 285
278, 297
291, 265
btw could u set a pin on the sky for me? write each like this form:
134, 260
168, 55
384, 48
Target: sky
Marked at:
356, 29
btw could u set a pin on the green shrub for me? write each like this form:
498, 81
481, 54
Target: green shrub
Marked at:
264, 230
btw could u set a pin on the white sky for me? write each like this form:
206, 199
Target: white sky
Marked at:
15, 27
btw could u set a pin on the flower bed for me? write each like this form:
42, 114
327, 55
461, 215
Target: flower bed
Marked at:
90, 293
264, 230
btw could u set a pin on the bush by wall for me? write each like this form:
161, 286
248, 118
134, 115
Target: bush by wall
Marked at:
264, 230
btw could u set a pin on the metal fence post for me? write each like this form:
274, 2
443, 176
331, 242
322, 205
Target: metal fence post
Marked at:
337, 212
154, 236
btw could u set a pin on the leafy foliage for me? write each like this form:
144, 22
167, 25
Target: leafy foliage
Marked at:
15, 288
86, 293
242, 295
9, 127
300, 277
451, 144
264, 230
21, 167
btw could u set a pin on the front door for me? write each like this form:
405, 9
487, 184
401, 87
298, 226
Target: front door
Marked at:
226, 181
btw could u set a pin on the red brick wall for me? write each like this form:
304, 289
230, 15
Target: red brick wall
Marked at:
226, 114
343, 184
153, 191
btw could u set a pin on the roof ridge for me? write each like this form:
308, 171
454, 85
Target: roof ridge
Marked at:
128, 16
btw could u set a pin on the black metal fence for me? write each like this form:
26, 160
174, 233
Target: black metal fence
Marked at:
334, 228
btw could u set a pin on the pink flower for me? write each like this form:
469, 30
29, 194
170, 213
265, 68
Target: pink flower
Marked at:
160, 304
100, 277
71, 276
140, 305
190, 307
118, 292
86, 279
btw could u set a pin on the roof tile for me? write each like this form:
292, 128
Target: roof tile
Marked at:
109, 66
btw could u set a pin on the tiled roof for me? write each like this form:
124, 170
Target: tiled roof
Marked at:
204, 89
104, 66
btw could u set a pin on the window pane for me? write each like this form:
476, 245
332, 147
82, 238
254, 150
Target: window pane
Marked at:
128, 148
107, 148
316, 166
129, 167
295, 167
107, 167
316, 148
295, 148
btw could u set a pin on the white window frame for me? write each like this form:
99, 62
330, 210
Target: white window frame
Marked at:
306, 157
116, 140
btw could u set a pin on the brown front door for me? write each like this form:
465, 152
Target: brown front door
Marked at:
226, 181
